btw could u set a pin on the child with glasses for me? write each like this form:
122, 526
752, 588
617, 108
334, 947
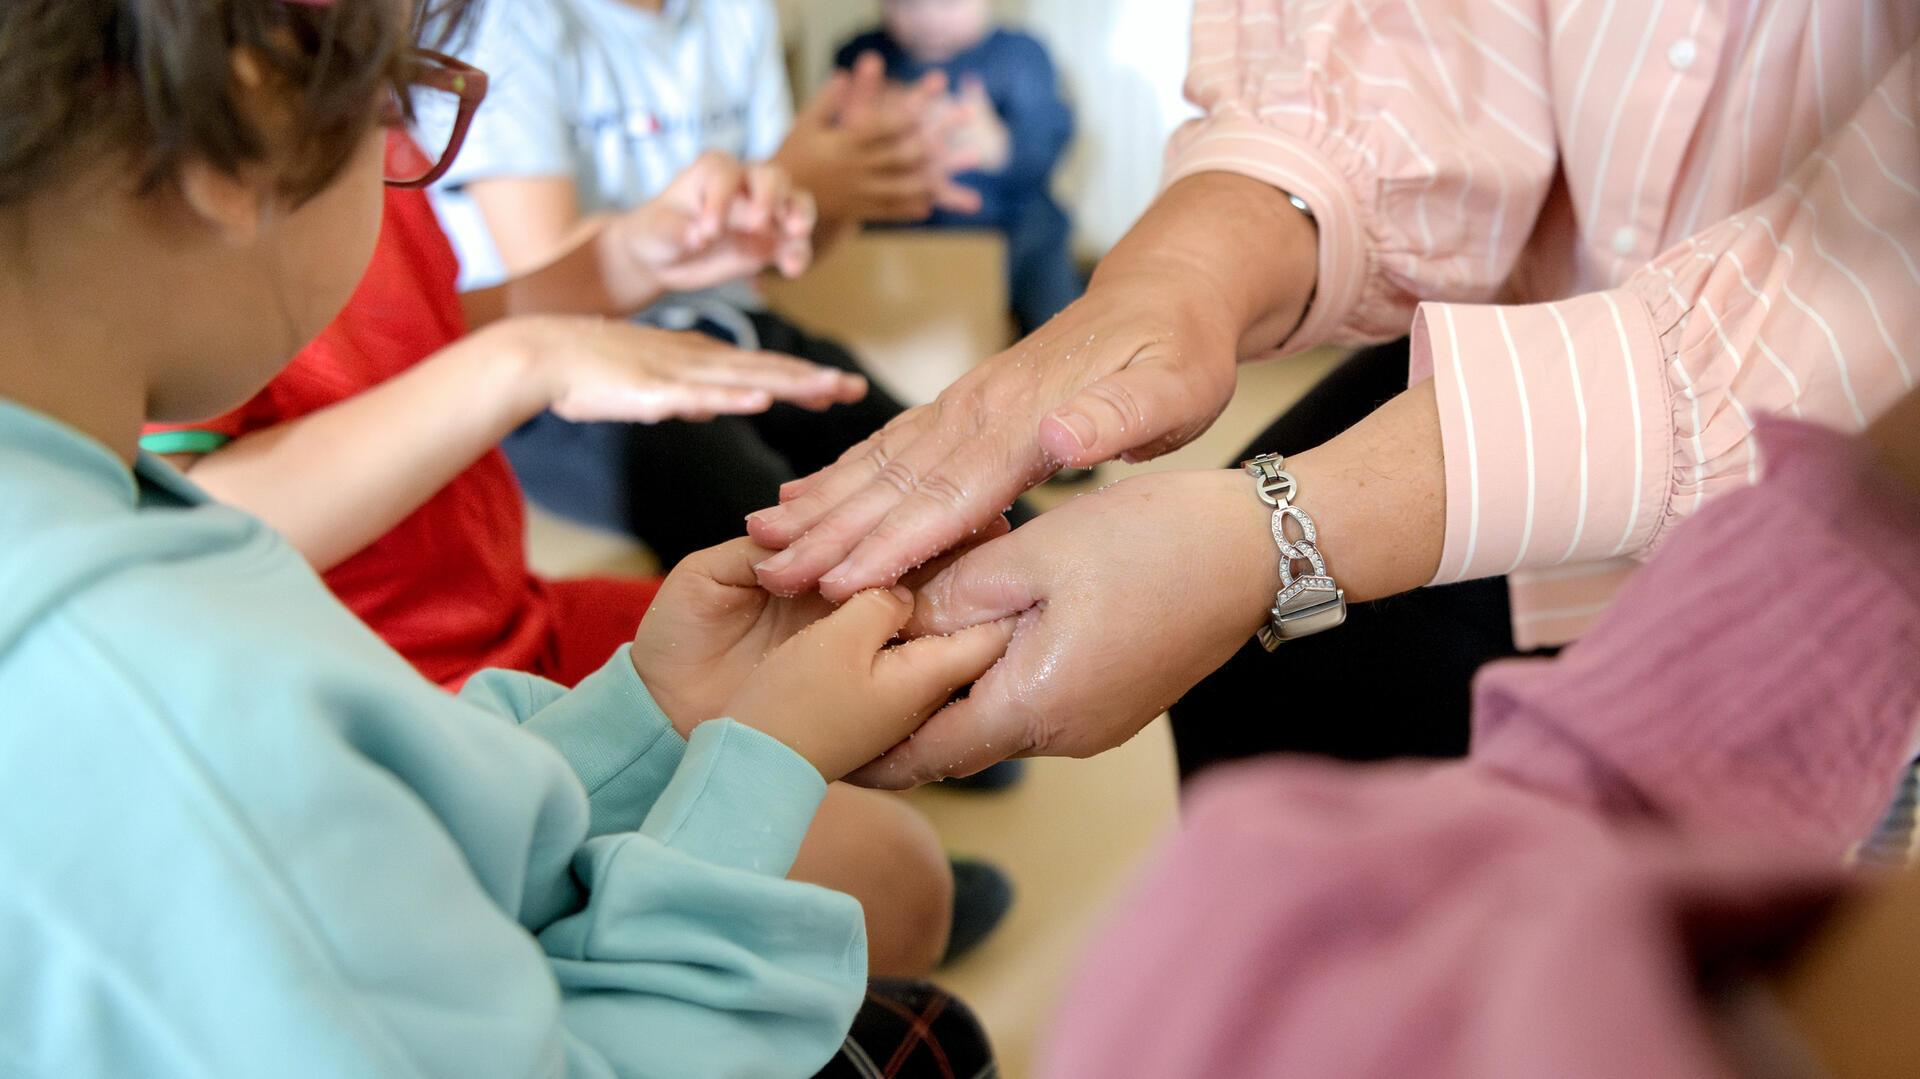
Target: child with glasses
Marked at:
376, 453
250, 839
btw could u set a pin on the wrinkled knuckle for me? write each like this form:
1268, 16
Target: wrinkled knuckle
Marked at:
876, 458
897, 476
1124, 405
942, 493
1037, 731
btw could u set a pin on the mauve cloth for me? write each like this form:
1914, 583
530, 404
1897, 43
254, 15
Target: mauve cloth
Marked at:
1678, 789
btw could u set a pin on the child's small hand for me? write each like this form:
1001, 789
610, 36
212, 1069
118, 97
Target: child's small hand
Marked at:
868, 151
591, 370
840, 697
708, 629
976, 137
718, 221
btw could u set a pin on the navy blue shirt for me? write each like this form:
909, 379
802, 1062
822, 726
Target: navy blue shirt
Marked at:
1019, 78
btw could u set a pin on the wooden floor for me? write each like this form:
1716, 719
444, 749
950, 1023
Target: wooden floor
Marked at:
1073, 833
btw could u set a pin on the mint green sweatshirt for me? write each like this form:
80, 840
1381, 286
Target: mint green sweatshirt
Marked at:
239, 836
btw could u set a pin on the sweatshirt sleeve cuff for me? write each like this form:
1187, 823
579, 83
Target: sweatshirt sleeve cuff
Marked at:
1226, 142
1555, 428
740, 799
618, 741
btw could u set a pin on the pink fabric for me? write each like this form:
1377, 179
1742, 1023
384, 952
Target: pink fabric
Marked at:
1679, 787
1620, 229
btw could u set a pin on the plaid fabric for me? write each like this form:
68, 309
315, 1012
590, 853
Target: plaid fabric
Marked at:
913, 1030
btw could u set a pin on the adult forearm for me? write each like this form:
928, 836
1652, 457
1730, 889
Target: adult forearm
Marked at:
338, 479
1233, 242
1378, 493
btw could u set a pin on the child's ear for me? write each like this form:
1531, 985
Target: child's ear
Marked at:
233, 205
230, 205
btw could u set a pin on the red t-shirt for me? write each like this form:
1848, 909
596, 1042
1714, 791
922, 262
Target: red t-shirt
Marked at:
448, 587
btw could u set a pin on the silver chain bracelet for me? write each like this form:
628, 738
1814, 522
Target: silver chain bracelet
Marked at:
1307, 604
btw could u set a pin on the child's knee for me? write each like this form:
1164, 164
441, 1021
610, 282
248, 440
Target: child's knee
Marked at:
880, 850
913, 925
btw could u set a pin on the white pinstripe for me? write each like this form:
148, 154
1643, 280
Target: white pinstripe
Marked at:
1720, 333
1519, 18
1619, 109
1719, 117
1693, 400
1656, 127
1759, 337
1580, 410
1520, 134
1498, 231
1833, 341
1753, 454
1439, 64
1753, 97
1473, 447
1526, 429
1873, 309
1527, 82
1892, 106
1867, 40
1566, 16
1840, 188
1633, 395
1819, 74
1433, 173
1882, 165
1586, 75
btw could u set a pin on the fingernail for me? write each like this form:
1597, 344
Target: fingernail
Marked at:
765, 516
902, 593
776, 563
1077, 425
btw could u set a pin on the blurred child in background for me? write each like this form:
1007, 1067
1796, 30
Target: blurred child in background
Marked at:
1009, 119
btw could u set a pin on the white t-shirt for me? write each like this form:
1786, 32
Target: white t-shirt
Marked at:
618, 98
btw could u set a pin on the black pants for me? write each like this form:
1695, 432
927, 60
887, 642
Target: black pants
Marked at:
679, 487
1394, 680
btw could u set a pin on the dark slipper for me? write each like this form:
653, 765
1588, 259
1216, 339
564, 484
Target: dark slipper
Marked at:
982, 895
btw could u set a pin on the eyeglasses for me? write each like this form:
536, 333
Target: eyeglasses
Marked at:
433, 100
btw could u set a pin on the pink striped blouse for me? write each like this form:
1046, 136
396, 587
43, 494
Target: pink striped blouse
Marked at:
1619, 230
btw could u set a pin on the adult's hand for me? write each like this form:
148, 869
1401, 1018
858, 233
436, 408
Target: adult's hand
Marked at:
1128, 596
1125, 598
1138, 366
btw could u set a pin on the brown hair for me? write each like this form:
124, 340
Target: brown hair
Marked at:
153, 82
